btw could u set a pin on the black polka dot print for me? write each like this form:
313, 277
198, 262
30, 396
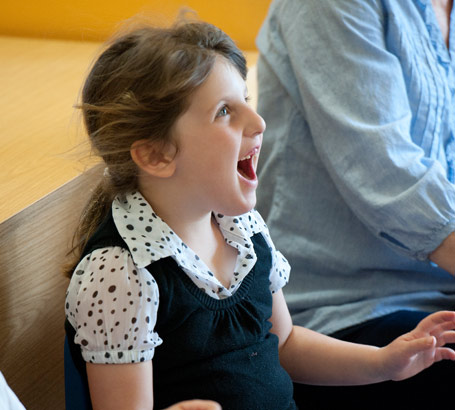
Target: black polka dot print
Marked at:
110, 309
112, 299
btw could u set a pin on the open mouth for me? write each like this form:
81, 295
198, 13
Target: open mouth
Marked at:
246, 165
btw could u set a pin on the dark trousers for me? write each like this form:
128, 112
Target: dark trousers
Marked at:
435, 385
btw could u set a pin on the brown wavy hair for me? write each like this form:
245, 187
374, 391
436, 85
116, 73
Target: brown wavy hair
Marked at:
137, 89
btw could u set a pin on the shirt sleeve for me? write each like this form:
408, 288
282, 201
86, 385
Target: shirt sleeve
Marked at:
113, 306
279, 273
353, 94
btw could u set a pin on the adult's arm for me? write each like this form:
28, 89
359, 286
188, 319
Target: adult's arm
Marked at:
444, 255
354, 97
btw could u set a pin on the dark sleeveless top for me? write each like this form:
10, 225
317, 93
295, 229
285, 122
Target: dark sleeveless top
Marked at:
213, 349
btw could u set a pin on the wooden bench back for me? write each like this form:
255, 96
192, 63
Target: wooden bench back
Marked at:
33, 244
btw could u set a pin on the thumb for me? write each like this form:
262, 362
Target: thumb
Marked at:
420, 345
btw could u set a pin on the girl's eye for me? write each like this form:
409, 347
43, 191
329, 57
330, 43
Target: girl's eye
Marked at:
223, 112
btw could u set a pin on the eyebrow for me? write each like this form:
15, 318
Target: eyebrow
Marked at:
227, 98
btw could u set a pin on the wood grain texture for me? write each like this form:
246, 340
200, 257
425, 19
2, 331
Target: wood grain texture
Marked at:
33, 244
40, 82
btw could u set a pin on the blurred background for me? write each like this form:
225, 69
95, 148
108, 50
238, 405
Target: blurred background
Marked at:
95, 20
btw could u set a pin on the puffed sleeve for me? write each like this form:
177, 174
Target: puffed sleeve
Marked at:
279, 273
113, 306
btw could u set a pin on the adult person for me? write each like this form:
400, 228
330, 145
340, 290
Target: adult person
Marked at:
357, 169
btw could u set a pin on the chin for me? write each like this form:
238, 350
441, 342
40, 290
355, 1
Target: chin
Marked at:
240, 209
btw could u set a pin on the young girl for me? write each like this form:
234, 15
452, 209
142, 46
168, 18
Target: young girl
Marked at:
177, 290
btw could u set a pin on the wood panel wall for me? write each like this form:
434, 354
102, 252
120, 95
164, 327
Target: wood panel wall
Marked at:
95, 20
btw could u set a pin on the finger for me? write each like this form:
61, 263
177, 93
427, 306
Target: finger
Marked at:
420, 345
444, 353
439, 317
445, 338
440, 320
441, 327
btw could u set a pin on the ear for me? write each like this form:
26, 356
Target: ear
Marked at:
154, 158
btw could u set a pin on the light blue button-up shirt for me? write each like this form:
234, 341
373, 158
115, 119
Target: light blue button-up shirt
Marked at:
357, 172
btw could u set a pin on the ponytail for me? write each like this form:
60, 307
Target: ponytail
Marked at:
93, 213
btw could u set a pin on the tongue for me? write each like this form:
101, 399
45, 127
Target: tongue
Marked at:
245, 167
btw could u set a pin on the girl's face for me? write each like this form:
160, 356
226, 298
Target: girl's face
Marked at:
219, 139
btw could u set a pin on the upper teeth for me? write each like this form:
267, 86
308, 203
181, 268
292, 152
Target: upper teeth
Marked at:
250, 155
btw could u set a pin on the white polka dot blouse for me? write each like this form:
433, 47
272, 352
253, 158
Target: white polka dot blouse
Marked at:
112, 300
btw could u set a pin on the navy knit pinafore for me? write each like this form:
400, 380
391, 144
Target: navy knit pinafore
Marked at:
213, 349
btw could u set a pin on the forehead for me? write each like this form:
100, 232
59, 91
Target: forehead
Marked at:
223, 80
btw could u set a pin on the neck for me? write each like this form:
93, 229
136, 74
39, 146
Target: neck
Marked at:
186, 221
197, 229
442, 10
446, 4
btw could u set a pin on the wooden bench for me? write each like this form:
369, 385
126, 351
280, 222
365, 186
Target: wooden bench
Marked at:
42, 179
33, 244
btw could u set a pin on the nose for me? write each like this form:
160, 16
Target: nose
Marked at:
255, 123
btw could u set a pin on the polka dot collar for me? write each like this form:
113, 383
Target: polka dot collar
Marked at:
150, 239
